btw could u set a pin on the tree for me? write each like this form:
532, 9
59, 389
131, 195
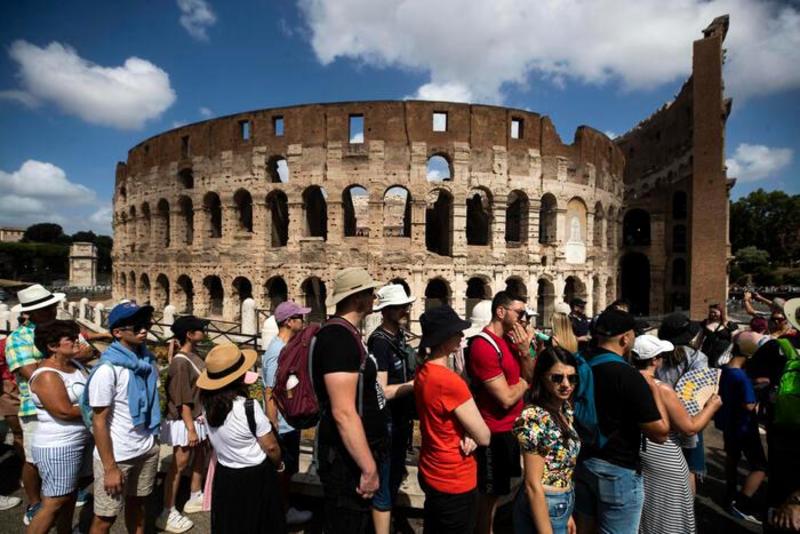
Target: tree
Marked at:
44, 233
84, 237
751, 258
768, 220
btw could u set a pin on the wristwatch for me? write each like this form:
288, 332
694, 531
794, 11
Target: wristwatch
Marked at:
281, 467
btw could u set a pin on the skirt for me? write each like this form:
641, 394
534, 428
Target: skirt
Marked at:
247, 500
668, 500
175, 434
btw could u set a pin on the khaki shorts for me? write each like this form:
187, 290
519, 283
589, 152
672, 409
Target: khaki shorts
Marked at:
29, 424
139, 479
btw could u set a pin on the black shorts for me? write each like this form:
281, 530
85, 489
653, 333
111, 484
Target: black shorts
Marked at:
748, 444
290, 450
498, 464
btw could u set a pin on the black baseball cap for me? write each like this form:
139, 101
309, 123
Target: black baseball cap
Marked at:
577, 301
613, 322
187, 323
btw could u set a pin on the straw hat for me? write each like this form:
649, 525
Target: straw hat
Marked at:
35, 297
392, 295
791, 310
224, 364
349, 282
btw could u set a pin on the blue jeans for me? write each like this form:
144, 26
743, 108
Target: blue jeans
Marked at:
611, 494
559, 506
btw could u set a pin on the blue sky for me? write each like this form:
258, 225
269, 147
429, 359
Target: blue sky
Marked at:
74, 97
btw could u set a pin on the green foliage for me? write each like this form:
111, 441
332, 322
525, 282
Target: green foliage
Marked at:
40, 262
768, 220
750, 259
84, 237
45, 233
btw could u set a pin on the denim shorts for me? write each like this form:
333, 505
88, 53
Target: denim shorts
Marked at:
613, 495
696, 457
559, 505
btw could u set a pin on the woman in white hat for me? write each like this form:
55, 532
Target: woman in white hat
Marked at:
245, 495
668, 500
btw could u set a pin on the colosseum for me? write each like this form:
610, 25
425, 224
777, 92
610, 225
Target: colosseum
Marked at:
454, 201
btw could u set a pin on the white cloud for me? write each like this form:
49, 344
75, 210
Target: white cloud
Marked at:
205, 112
178, 124
610, 134
22, 97
43, 180
446, 92
357, 138
102, 217
751, 163
197, 17
471, 49
123, 97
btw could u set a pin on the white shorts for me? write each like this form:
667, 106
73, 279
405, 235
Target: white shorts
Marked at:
174, 433
29, 424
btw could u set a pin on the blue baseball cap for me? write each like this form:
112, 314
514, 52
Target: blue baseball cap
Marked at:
126, 313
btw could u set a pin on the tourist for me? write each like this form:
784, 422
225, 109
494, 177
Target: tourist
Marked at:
451, 427
61, 440
563, 334
352, 438
9, 407
668, 500
550, 447
760, 325
122, 392
621, 305
739, 424
717, 333
775, 304
22, 356
396, 376
500, 368
184, 428
609, 490
579, 321
289, 316
687, 356
245, 496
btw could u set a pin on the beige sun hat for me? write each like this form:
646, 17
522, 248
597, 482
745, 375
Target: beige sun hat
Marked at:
392, 295
791, 310
349, 282
35, 297
224, 364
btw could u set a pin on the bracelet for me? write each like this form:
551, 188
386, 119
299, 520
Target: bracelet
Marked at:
281, 467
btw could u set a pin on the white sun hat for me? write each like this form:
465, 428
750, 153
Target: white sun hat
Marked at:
392, 295
36, 297
480, 316
647, 347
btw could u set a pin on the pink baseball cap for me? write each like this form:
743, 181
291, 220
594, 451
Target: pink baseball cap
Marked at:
289, 309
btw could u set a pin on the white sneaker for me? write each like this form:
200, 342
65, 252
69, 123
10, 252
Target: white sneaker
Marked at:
7, 502
297, 517
193, 506
172, 521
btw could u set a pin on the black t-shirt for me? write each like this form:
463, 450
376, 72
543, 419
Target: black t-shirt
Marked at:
769, 361
336, 351
716, 342
391, 357
580, 324
623, 401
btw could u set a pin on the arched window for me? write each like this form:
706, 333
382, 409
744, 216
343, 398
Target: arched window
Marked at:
636, 228
212, 206
479, 217
547, 219
186, 219
278, 169
516, 287
611, 229
355, 203
478, 289
680, 208
597, 236
278, 221
146, 220
186, 178
161, 293
401, 282
517, 218
242, 290
123, 284
574, 288
437, 293
316, 212
679, 238
679, 272
131, 294
143, 296
315, 294
439, 223
275, 292
215, 295
184, 295
397, 212
163, 222
244, 209
438, 169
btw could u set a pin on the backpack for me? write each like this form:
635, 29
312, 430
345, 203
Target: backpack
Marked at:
87, 412
586, 420
299, 405
486, 337
787, 400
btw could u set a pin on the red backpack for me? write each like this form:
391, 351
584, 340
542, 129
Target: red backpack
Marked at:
299, 405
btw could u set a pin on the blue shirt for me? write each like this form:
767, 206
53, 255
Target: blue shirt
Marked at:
269, 368
736, 390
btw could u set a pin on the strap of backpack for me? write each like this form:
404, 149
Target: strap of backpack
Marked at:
250, 412
787, 349
486, 337
357, 335
185, 357
606, 357
381, 333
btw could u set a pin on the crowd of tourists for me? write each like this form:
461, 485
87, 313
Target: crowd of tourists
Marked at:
583, 430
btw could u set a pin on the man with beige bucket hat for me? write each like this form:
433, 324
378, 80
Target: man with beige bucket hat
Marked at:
352, 436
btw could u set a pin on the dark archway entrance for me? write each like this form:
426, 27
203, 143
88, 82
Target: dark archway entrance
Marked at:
635, 282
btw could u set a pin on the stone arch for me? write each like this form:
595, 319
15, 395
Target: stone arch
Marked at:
437, 293
275, 292
635, 281
278, 169
244, 210
131, 292
278, 206
186, 178
184, 295
545, 300
161, 296
636, 228
574, 288
439, 168
548, 211
214, 295
186, 219
679, 272
478, 288
679, 238
241, 289
122, 283
516, 287
143, 291
680, 205
146, 223
212, 208
397, 212
315, 208
479, 217
355, 206
314, 294
401, 282
439, 222
517, 217
598, 239
163, 229
611, 229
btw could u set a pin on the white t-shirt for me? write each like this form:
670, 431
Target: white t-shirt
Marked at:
53, 432
235, 445
109, 387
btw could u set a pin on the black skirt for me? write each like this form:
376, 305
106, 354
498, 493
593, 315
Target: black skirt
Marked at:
247, 500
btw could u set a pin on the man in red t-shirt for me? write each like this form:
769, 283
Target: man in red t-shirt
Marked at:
500, 371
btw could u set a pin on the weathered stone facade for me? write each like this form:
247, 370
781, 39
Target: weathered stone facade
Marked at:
82, 265
271, 203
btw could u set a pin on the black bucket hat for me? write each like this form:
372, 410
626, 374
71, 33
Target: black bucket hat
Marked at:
440, 324
678, 329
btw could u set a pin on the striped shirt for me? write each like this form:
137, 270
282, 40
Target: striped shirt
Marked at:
20, 351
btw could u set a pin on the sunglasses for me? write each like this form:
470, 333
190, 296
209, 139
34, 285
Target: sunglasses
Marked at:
138, 327
559, 378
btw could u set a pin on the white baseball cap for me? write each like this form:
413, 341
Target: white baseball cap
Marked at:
647, 347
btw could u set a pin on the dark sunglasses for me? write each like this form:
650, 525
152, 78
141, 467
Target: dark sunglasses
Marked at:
559, 378
138, 327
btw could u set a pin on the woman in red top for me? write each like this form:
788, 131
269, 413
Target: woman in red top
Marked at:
451, 428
